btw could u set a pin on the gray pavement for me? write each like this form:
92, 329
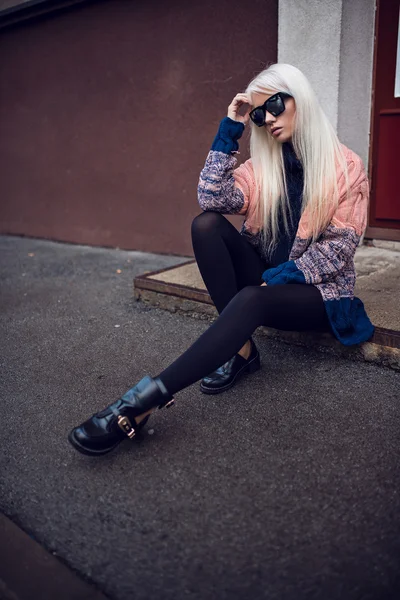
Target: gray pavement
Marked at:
284, 488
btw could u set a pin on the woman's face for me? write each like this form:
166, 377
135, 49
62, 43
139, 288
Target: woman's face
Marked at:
284, 121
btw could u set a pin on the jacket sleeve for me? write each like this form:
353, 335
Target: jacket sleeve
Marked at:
222, 188
336, 246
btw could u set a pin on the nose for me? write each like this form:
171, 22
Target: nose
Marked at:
269, 119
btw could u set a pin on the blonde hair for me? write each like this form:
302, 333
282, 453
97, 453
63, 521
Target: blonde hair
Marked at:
316, 145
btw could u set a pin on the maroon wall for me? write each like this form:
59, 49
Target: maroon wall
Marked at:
108, 111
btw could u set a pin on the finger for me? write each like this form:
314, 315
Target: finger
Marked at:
238, 101
244, 97
241, 98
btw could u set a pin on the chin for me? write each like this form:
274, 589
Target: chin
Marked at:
284, 138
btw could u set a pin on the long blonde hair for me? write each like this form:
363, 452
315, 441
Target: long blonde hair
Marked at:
316, 145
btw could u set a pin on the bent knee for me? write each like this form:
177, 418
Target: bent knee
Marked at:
206, 222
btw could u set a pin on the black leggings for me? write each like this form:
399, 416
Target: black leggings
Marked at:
231, 269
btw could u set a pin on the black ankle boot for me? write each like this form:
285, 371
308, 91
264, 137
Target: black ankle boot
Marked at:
106, 429
226, 376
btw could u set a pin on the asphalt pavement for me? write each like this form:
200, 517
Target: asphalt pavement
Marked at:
284, 488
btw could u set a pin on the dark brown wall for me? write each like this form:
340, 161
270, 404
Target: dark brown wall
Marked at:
108, 112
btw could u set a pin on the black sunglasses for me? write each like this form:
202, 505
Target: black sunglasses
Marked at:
274, 105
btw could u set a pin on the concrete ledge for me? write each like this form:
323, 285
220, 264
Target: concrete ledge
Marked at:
372, 351
385, 244
181, 289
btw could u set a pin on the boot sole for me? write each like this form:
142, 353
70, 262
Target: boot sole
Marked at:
252, 367
72, 440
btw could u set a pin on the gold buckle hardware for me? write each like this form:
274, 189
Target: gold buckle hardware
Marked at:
126, 426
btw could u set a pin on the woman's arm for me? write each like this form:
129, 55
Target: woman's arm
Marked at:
216, 190
222, 188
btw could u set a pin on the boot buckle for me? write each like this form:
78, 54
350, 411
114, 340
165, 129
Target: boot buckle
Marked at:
126, 426
167, 404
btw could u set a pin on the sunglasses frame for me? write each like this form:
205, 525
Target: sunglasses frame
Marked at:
264, 107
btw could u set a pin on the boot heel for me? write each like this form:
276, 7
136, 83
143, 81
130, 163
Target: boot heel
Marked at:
255, 365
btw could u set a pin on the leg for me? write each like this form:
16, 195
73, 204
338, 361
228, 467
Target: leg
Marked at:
226, 260
295, 307
237, 265
292, 307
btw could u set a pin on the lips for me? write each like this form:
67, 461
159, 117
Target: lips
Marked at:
276, 130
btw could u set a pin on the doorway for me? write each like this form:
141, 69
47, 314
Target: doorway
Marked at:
384, 211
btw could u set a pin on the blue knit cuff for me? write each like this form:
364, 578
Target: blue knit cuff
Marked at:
287, 272
349, 321
228, 134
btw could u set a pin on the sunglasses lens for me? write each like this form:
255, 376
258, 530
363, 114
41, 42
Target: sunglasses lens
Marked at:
275, 106
257, 116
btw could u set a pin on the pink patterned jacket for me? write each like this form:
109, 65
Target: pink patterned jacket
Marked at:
327, 263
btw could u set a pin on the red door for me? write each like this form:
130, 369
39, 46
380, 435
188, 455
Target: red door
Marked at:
384, 216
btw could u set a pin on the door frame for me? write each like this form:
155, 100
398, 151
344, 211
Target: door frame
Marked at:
381, 233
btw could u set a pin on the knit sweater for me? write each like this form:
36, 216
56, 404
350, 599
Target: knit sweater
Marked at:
327, 263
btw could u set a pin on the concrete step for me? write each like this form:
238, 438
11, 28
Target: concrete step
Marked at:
181, 289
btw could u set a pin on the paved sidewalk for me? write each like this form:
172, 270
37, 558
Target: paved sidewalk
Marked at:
284, 488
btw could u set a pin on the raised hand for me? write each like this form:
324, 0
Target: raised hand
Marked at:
235, 106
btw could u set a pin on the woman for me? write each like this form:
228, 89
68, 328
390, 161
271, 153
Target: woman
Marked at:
304, 196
